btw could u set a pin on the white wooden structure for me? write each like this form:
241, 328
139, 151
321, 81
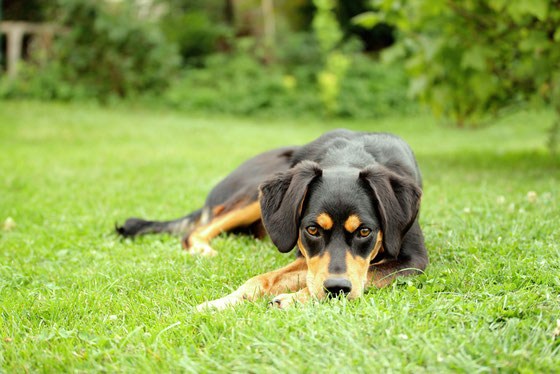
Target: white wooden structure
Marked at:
15, 31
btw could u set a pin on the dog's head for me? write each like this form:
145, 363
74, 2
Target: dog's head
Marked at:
341, 219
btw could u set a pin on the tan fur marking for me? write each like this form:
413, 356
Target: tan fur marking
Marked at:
317, 273
302, 201
307, 276
378, 245
235, 218
378, 248
301, 247
290, 278
352, 223
289, 299
319, 264
325, 221
356, 271
357, 268
217, 210
383, 273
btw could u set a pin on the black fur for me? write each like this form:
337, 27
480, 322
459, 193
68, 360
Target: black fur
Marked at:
343, 172
236, 189
281, 199
139, 226
358, 169
398, 202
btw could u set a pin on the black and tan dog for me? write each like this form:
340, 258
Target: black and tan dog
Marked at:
349, 201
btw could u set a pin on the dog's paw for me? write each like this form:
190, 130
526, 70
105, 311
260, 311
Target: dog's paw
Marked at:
201, 249
284, 301
219, 304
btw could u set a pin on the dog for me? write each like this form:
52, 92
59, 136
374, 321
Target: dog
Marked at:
349, 201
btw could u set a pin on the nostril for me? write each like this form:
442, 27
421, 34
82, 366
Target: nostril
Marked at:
338, 285
338, 290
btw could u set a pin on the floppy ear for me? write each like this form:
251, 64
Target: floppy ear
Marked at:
398, 202
281, 199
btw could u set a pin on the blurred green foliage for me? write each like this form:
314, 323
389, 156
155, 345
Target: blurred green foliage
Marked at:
186, 55
336, 63
198, 28
239, 84
113, 52
105, 52
25, 10
465, 59
474, 57
195, 34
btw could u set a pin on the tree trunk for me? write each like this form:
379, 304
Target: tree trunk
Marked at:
269, 29
554, 134
229, 12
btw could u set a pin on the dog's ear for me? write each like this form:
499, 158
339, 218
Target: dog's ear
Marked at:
398, 203
281, 199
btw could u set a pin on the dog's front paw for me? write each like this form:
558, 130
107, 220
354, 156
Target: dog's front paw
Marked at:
283, 301
288, 300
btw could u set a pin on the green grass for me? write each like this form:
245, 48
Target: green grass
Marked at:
75, 297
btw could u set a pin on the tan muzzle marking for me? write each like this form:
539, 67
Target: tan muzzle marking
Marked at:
357, 268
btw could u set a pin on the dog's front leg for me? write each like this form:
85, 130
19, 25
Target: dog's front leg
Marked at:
290, 278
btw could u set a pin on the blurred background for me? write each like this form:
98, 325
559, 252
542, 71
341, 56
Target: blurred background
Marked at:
468, 62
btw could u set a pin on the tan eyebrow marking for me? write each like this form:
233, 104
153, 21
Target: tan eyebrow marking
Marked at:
325, 221
352, 223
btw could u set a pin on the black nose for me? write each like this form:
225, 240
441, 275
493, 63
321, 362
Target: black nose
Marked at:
337, 285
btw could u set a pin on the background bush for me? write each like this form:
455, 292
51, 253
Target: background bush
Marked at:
188, 58
471, 58
466, 59
198, 28
105, 52
239, 84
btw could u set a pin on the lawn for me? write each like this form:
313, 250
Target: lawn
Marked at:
75, 297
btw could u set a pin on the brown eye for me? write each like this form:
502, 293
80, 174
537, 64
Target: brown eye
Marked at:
313, 230
364, 232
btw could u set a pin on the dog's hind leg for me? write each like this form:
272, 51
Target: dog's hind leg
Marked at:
137, 226
290, 278
198, 242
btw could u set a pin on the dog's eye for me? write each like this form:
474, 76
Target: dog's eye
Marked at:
313, 230
365, 232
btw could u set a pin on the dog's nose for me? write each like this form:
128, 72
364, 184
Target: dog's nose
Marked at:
337, 285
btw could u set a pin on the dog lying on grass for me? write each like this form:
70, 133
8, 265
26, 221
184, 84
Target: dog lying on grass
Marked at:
348, 201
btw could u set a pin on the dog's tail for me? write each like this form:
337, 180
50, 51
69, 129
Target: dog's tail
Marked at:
138, 226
